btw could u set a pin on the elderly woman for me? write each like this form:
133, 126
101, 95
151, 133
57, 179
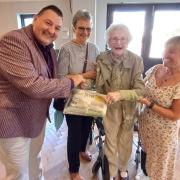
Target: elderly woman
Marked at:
119, 75
77, 56
158, 124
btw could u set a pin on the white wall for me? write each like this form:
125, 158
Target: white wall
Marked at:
90, 5
9, 11
10, 8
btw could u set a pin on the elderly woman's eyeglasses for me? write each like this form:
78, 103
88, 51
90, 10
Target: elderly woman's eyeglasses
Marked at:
116, 40
83, 29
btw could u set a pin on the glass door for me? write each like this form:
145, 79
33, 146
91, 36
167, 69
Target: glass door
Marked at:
166, 24
150, 25
135, 22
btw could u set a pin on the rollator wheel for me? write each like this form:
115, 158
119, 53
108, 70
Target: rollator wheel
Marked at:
96, 167
90, 137
143, 162
137, 159
105, 168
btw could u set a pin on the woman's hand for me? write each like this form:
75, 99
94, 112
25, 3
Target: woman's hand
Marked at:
145, 101
87, 85
112, 97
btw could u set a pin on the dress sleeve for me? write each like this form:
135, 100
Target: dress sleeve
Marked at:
150, 71
177, 92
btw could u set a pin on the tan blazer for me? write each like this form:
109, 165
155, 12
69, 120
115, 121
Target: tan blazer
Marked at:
25, 87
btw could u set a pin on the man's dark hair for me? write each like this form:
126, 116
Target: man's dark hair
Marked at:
51, 7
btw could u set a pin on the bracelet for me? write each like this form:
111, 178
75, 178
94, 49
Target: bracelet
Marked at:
151, 105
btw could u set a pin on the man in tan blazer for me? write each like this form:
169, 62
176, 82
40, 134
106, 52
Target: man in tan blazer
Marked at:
27, 85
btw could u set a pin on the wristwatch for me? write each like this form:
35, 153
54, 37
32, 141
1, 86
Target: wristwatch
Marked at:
151, 105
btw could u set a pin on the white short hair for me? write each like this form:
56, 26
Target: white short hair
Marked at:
121, 27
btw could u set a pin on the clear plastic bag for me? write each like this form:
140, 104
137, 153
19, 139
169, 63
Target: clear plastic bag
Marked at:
86, 103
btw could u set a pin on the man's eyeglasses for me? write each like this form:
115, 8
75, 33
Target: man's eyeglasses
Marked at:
83, 29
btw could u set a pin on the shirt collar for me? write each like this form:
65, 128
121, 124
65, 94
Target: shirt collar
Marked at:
121, 59
48, 47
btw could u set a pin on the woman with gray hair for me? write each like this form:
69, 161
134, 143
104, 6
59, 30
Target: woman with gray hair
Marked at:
158, 125
78, 56
119, 76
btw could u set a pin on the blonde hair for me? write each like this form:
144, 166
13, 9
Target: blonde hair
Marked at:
175, 41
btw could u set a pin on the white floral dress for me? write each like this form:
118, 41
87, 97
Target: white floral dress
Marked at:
159, 135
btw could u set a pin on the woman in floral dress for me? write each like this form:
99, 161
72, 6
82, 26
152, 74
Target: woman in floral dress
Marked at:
161, 110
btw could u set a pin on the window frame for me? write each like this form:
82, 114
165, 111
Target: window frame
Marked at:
25, 16
150, 9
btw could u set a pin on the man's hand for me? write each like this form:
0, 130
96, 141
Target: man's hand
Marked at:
77, 79
112, 97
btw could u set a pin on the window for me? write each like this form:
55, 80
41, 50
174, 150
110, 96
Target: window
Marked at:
165, 26
150, 24
26, 19
126, 18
